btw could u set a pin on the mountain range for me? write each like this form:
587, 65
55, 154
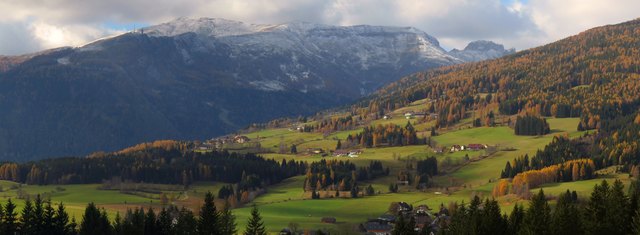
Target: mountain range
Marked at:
198, 78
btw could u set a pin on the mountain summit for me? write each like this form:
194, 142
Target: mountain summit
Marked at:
194, 79
481, 50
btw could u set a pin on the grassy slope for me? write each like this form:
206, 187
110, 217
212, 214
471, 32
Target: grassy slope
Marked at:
283, 203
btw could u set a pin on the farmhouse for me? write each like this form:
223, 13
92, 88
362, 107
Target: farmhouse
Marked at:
240, 139
408, 115
386, 218
315, 150
328, 220
456, 148
346, 153
476, 147
377, 228
340, 153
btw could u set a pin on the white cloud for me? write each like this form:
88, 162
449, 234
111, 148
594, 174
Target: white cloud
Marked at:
30, 25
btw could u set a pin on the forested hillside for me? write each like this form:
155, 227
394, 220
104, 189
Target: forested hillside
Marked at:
593, 75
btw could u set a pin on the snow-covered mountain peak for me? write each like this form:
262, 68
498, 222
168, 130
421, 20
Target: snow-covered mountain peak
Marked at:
481, 50
215, 27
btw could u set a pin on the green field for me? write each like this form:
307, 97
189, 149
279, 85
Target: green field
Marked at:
284, 202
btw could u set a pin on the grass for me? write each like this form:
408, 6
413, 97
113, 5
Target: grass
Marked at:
77, 196
283, 202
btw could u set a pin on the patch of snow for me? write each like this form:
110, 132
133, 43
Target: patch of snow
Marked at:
269, 85
64, 61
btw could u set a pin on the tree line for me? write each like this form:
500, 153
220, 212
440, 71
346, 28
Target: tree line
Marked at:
384, 135
39, 217
531, 125
333, 124
155, 165
573, 170
559, 150
609, 210
338, 175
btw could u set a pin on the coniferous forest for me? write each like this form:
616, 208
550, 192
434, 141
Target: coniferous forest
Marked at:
40, 217
167, 165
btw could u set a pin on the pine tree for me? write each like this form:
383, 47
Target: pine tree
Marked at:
227, 221
9, 218
94, 222
164, 223
27, 218
515, 219
48, 218
209, 223
186, 223
61, 221
255, 226
460, 221
617, 210
491, 221
150, 222
38, 215
537, 218
596, 210
118, 227
400, 227
566, 219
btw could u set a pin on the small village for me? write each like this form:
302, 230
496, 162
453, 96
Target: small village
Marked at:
421, 216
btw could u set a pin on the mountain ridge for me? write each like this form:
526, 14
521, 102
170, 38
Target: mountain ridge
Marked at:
138, 86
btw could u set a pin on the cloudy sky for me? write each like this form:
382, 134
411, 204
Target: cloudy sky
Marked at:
32, 25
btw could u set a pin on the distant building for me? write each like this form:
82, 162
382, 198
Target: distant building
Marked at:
476, 147
328, 220
315, 150
240, 139
408, 115
456, 148
377, 228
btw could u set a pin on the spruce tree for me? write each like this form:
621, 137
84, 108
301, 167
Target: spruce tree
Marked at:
255, 226
38, 215
164, 223
186, 223
9, 218
596, 210
48, 218
491, 221
117, 225
1, 217
94, 222
460, 221
150, 222
61, 221
400, 226
227, 221
618, 210
537, 217
208, 223
566, 217
515, 219
27, 218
